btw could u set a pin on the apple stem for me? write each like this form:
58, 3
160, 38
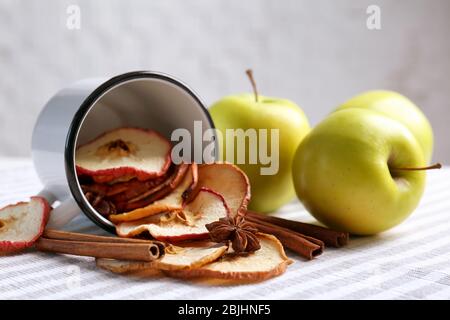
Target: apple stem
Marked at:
249, 73
434, 166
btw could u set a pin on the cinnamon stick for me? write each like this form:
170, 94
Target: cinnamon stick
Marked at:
305, 246
74, 236
331, 238
121, 251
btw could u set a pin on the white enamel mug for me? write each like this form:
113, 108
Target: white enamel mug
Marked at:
86, 109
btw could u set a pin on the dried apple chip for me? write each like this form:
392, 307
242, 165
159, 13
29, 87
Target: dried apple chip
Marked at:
111, 178
22, 224
171, 183
267, 262
159, 191
124, 152
229, 181
125, 191
122, 266
189, 257
206, 207
173, 201
175, 258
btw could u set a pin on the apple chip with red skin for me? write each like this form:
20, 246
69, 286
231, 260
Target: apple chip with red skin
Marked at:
188, 256
207, 207
161, 190
124, 153
267, 262
172, 201
22, 224
229, 181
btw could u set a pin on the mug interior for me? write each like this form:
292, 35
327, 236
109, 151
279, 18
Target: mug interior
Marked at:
139, 99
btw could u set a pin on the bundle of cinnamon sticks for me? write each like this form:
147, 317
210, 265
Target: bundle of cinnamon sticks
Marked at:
305, 239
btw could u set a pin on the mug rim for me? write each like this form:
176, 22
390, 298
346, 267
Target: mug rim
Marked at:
74, 128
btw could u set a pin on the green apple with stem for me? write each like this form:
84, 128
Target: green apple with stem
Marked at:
398, 107
253, 111
360, 171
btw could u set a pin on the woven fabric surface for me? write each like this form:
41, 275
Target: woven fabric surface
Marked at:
411, 261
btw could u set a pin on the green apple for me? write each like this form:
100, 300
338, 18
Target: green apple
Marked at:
400, 108
269, 192
359, 171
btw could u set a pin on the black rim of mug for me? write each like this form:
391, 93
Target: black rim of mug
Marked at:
69, 153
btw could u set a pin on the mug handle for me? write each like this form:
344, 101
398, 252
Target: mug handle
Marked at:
63, 213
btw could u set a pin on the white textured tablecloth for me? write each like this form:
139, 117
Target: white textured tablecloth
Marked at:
411, 261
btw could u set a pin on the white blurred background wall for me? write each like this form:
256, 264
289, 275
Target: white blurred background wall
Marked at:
317, 53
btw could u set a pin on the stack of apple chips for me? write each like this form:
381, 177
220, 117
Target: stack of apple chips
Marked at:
127, 175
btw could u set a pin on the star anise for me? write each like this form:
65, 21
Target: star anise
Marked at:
241, 233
